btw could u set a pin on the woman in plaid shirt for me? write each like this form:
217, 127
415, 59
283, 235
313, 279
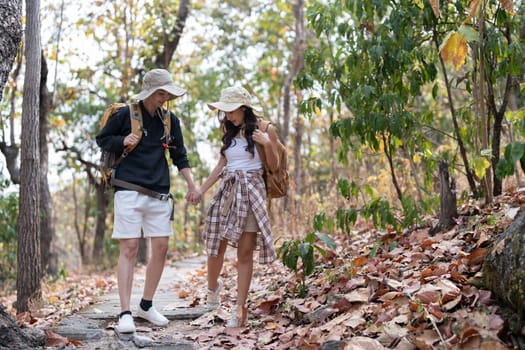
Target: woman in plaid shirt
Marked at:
238, 213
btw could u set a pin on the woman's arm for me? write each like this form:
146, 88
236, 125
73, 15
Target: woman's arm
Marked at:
214, 176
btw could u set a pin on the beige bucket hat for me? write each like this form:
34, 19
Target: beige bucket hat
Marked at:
158, 79
233, 98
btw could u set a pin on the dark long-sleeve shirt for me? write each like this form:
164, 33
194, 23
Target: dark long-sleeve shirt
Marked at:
146, 165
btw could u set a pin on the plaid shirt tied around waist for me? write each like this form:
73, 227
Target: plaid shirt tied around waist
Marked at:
239, 190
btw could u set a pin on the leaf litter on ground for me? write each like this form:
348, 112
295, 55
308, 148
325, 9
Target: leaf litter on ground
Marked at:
377, 290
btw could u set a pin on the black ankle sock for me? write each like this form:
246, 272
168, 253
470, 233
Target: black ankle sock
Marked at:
127, 312
145, 304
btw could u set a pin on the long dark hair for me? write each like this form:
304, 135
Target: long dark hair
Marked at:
230, 130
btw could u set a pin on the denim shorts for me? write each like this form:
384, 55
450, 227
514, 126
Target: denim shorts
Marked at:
137, 214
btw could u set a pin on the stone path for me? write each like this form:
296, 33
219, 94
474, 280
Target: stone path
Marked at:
93, 326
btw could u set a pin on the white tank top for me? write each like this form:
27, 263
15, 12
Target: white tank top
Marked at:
239, 159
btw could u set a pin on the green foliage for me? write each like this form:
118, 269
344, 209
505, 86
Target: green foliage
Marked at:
348, 190
346, 218
369, 60
380, 212
514, 152
376, 64
293, 251
8, 237
411, 215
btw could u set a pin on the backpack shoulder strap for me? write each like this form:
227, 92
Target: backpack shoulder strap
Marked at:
165, 117
110, 110
135, 115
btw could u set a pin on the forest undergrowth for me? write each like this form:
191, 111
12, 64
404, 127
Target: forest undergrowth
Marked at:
377, 289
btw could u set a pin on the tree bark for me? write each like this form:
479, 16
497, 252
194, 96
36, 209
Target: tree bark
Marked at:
47, 228
447, 199
298, 170
10, 37
297, 65
28, 256
388, 149
13, 337
503, 271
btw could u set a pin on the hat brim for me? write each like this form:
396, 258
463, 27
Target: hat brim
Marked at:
224, 106
230, 107
171, 89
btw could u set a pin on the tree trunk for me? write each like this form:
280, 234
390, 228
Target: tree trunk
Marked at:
503, 271
100, 228
388, 149
480, 102
499, 117
457, 131
447, 200
28, 255
298, 170
47, 228
10, 36
296, 65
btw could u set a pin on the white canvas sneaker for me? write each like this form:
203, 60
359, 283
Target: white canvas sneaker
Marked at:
153, 316
126, 324
213, 299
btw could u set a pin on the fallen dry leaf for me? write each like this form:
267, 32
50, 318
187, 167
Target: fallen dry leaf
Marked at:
55, 340
477, 256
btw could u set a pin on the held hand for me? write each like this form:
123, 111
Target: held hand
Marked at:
198, 196
261, 137
131, 140
194, 196
189, 197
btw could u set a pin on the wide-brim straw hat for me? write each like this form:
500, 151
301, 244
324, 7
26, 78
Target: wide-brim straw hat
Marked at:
233, 98
158, 79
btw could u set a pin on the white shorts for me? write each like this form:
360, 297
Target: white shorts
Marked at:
135, 211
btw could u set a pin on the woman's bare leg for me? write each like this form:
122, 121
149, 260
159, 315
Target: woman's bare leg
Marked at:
245, 248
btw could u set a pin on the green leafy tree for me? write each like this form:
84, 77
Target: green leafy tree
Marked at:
379, 65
